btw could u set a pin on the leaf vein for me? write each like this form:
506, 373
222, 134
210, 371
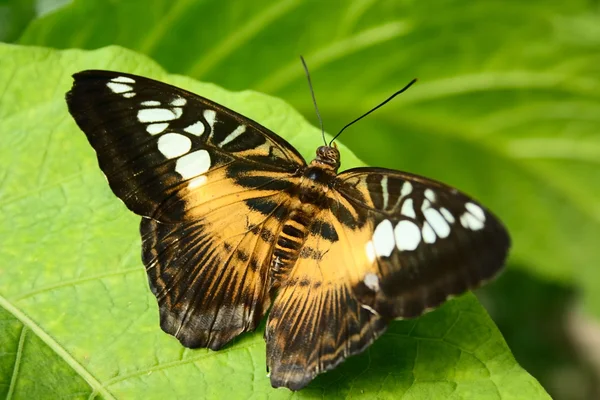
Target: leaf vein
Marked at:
19, 355
56, 347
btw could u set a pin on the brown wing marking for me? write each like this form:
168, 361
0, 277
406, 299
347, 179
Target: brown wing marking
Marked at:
211, 274
316, 322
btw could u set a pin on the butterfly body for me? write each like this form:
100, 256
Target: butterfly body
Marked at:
305, 203
235, 223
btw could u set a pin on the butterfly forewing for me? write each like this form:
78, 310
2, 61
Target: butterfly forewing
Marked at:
155, 141
235, 222
428, 240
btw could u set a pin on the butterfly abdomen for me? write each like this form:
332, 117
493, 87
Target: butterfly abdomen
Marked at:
289, 243
309, 201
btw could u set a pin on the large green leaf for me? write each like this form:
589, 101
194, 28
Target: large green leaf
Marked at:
508, 106
14, 17
77, 317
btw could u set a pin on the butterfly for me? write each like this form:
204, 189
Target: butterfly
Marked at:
235, 222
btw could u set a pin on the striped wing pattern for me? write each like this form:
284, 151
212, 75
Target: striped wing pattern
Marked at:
235, 222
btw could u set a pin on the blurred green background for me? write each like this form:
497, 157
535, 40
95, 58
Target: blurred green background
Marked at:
507, 108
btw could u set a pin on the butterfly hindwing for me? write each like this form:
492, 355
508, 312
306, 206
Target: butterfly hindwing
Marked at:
316, 321
211, 275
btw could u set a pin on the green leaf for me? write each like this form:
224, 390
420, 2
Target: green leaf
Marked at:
14, 17
75, 298
33, 365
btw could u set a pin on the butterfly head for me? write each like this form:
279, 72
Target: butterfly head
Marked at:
327, 157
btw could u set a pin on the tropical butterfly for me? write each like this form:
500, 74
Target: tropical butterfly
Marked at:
236, 222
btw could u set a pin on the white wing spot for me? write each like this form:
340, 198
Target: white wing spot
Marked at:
129, 94
408, 235
156, 115
119, 87
211, 118
197, 182
426, 204
155, 129
476, 211
371, 281
384, 189
150, 103
195, 129
407, 208
179, 102
448, 215
437, 222
406, 189
369, 309
193, 164
370, 250
469, 221
430, 195
123, 79
173, 145
233, 135
428, 233
383, 238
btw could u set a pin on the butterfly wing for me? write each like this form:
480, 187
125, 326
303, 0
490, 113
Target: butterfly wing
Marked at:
316, 321
429, 241
196, 172
390, 245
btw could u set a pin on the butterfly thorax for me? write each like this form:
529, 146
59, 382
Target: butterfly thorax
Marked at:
309, 199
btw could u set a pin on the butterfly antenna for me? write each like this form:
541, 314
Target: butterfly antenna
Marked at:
312, 93
373, 109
